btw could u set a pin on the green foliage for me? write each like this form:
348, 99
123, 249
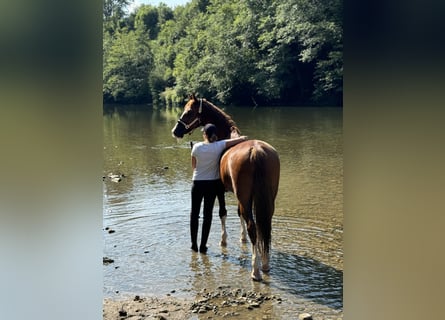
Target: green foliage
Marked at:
113, 13
127, 63
231, 51
150, 18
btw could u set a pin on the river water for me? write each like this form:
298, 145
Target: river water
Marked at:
146, 214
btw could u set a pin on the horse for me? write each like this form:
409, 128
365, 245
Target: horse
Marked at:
250, 169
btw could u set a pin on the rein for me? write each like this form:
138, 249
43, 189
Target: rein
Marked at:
187, 126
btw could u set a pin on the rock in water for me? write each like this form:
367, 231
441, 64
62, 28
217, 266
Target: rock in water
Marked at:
107, 260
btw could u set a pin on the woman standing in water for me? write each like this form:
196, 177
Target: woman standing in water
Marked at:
206, 181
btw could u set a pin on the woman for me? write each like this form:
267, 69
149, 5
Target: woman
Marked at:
206, 181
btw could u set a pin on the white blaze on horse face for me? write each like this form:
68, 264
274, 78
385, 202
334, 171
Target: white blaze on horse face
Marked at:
184, 113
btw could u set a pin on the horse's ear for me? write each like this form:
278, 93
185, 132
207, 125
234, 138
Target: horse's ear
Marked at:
193, 96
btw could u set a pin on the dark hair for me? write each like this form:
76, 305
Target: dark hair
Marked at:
213, 138
210, 132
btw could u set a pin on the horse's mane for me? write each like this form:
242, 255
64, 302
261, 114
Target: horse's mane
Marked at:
224, 117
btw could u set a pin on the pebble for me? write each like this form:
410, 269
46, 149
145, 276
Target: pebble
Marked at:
305, 316
114, 177
221, 300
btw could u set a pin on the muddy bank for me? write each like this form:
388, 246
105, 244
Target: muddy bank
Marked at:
146, 308
224, 302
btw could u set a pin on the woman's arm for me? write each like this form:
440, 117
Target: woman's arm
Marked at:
234, 141
193, 163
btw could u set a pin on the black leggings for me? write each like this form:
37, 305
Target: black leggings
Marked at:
207, 190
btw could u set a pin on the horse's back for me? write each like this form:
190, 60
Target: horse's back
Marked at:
242, 162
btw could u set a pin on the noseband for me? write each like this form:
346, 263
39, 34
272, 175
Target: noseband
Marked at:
187, 126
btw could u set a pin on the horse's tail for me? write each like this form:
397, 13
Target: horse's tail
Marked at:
263, 198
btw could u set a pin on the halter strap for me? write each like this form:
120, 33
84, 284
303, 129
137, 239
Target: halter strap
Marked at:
187, 126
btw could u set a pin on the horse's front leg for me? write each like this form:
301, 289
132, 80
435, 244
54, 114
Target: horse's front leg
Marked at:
223, 242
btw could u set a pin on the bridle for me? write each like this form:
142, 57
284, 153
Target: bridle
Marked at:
197, 119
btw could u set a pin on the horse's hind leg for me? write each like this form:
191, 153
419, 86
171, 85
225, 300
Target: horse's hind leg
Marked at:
255, 274
246, 214
243, 231
265, 261
251, 229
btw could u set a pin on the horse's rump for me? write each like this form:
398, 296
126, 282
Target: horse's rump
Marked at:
242, 162
251, 170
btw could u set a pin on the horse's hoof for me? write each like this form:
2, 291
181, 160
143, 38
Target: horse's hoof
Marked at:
256, 278
223, 242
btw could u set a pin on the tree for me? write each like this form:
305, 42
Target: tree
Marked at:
113, 13
147, 18
317, 27
215, 57
244, 52
127, 64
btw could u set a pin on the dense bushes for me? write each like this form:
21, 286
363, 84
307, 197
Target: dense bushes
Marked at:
230, 51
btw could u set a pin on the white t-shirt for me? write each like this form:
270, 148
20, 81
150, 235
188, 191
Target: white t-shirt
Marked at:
207, 159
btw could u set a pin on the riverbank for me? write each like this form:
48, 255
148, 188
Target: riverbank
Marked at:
147, 308
219, 303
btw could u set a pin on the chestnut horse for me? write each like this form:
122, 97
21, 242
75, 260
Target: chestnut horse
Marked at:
250, 169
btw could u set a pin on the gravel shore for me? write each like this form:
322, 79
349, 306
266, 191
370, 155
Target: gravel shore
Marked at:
220, 303
147, 308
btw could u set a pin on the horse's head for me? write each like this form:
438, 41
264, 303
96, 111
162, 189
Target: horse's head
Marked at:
190, 118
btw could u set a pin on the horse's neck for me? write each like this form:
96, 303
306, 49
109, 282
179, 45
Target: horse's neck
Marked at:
224, 124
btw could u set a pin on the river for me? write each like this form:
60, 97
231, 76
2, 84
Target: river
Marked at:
146, 213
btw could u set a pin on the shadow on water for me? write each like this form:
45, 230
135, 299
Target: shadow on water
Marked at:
307, 278
301, 277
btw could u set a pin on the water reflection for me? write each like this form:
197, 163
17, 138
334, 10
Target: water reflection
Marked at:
204, 272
